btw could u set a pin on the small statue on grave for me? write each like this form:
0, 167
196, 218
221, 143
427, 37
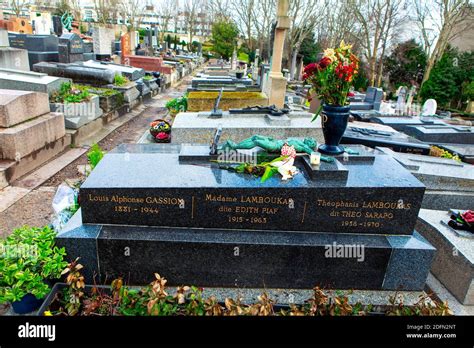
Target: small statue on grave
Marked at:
271, 145
66, 20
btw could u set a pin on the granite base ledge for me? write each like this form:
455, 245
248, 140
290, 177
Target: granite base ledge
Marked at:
248, 259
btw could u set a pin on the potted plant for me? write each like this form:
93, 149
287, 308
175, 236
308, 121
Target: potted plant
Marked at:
177, 105
331, 79
29, 260
160, 130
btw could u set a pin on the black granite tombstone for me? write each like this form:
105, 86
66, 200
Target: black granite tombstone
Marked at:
71, 48
402, 123
439, 134
79, 73
224, 229
36, 43
57, 25
41, 48
398, 142
17, 40
377, 197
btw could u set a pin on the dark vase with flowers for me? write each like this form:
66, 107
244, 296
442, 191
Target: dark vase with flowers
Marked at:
331, 79
334, 121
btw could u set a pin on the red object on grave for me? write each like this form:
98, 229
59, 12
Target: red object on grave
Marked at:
147, 63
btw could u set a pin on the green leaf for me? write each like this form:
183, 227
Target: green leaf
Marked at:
317, 113
240, 168
269, 172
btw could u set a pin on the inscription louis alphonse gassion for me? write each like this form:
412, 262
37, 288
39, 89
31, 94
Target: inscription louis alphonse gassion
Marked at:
145, 205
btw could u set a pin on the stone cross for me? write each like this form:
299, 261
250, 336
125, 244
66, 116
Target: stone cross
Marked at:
276, 81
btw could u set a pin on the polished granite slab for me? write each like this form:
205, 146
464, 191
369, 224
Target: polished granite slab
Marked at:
442, 134
148, 185
401, 123
242, 259
453, 264
396, 141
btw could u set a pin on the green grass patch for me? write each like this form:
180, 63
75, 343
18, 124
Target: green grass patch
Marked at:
120, 80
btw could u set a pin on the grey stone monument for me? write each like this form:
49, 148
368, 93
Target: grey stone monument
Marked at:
71, 48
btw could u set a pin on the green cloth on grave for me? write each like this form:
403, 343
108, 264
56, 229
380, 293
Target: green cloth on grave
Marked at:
271, 145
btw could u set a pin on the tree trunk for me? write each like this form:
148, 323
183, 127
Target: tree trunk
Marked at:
372, 63
294, 58
380, 73
432, 61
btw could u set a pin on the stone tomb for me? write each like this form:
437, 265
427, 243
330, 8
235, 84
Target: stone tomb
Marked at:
71, 48
129, 72
454, 261
14, 58
195, 127
19, 106
41, 48
30, 81
80, 73
442, 134
219, 81
29, 134
372, 100
211, 227
102, 39
77, 115
374, 135
449, 184
130, 93
402, 123
465, 152
142, 87
204, 100
147, 63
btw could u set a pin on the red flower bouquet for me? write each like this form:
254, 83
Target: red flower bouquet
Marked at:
331, 78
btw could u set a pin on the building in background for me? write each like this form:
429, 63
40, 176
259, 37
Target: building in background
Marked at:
177, 24
465, 40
